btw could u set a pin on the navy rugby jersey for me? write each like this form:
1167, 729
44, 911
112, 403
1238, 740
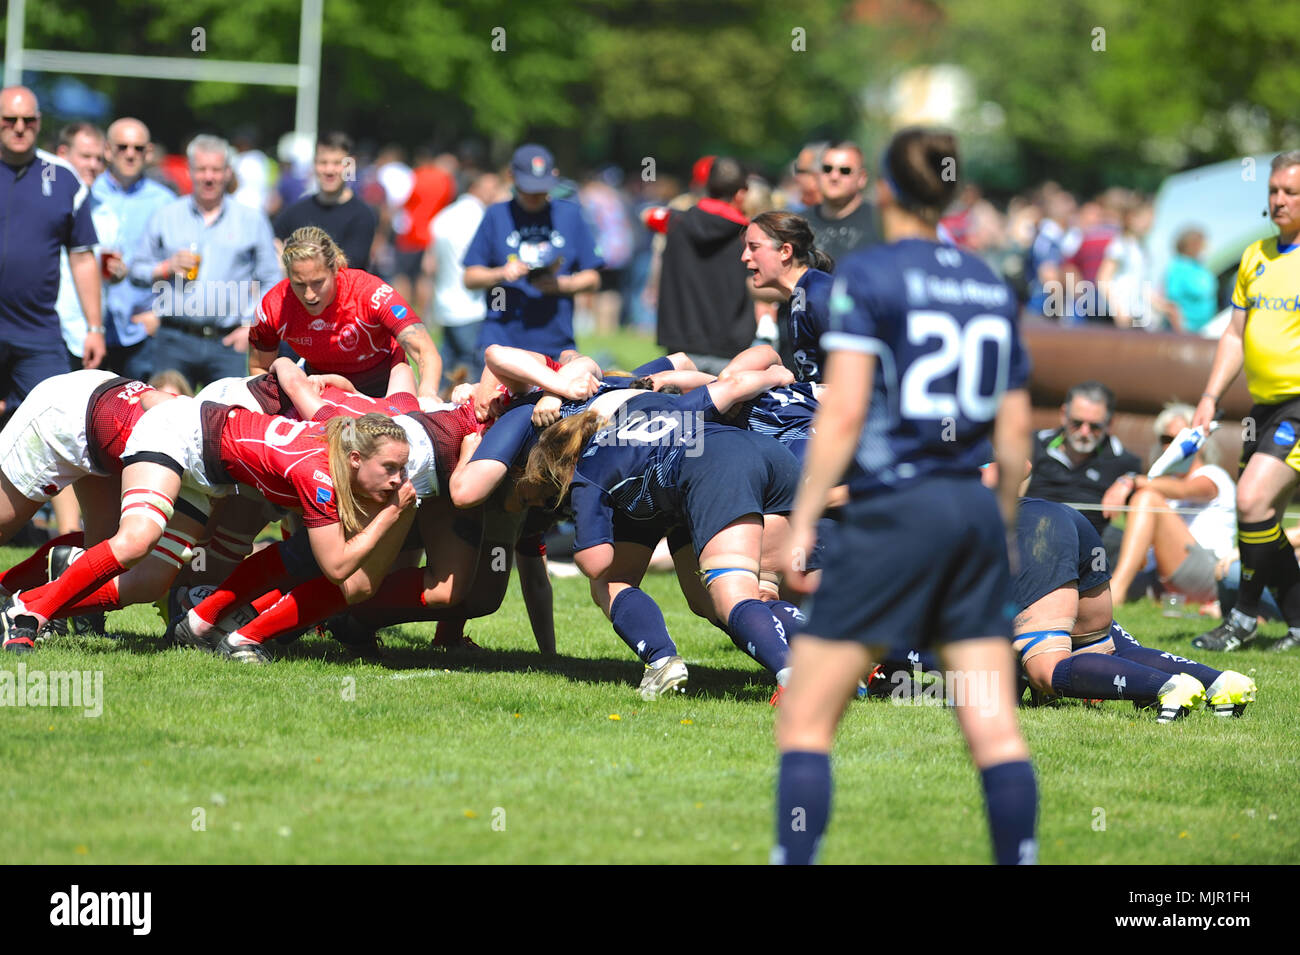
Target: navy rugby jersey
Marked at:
809, 317
632, 463
943, 328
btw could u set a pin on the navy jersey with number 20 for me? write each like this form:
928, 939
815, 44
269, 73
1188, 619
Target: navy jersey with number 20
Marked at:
943, 328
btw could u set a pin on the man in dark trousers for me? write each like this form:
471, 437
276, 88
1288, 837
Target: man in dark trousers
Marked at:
704, 304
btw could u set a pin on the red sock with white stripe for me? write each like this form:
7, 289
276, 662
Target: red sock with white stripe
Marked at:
31, 572
306, 604
87, 574
252, 578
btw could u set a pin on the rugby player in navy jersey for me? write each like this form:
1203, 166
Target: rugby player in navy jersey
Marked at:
660, 461
1068, 640
780, 254
923, 362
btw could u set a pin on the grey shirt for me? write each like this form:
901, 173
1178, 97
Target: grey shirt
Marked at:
238, 264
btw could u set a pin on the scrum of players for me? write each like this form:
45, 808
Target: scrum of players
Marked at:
396, 508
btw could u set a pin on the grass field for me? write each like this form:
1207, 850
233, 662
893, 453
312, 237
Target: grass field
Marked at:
496, 756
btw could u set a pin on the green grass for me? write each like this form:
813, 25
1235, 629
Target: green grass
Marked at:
435, 747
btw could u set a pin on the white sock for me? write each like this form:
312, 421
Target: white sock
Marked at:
237, 639
1242, 620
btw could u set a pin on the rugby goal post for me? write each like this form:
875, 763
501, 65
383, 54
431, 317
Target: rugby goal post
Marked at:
303, 75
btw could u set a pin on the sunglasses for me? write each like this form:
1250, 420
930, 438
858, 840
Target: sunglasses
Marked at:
13, 120
1077, 425
844, 170
129, 148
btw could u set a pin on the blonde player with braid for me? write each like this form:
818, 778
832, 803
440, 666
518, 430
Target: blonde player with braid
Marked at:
347, 478
342, 321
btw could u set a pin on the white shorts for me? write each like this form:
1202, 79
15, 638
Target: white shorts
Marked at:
175, 429
421, 468
230, 391
43, 448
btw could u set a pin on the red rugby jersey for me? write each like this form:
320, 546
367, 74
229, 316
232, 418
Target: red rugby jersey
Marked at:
340, 402
286, 460
111, 414
356, 333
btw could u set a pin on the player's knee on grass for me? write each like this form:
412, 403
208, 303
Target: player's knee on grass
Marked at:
1040, 668
1040, 651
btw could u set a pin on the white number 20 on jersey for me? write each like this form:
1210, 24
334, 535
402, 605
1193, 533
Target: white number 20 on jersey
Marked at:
961, 348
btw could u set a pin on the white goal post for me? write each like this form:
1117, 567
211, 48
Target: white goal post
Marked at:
304, 75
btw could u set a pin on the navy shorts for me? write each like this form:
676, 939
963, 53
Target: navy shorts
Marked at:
915, 567
299, 561
23, 367
647, 533
741, 473
1058, 546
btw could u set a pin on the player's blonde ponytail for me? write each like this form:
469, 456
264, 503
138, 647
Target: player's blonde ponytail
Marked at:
343, 435
313, 242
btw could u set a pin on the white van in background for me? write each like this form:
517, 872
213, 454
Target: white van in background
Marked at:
1228, 201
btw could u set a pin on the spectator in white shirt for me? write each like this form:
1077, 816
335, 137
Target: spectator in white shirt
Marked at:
460, 311
1189, 519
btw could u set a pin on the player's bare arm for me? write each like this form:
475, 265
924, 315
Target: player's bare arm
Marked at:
419, 348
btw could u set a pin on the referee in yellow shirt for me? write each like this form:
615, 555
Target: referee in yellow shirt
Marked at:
1264, 338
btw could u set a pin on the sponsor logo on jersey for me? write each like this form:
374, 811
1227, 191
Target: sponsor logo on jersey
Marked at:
324, 495
399, 311
348, 337
1259, 270
324, 478
380, 295
319, 325
303, 340
1277, 303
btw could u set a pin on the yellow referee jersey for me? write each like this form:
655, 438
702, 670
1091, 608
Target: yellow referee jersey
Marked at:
1268, 288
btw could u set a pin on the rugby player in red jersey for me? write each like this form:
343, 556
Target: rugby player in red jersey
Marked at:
342, 320
347, 478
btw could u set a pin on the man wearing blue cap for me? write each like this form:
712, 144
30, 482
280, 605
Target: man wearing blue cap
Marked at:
532, 254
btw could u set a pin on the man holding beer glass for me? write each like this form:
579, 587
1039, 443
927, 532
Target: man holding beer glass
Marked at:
128, 199
208, 260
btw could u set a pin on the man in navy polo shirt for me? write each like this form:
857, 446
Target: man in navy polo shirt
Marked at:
43, 209
532, 254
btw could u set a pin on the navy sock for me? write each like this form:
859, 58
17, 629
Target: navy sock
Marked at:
1101, 676
638, 620
790, 616
803, 807
1011, 799
756, 630
1128, 648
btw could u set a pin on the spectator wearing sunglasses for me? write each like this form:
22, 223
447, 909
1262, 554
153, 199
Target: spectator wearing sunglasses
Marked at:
1188, 519
43, 210
131, 198
1081, 462
844, 221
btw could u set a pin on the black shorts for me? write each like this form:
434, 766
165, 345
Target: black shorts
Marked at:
914, 568
1276, 431
740, 473
1057, 545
